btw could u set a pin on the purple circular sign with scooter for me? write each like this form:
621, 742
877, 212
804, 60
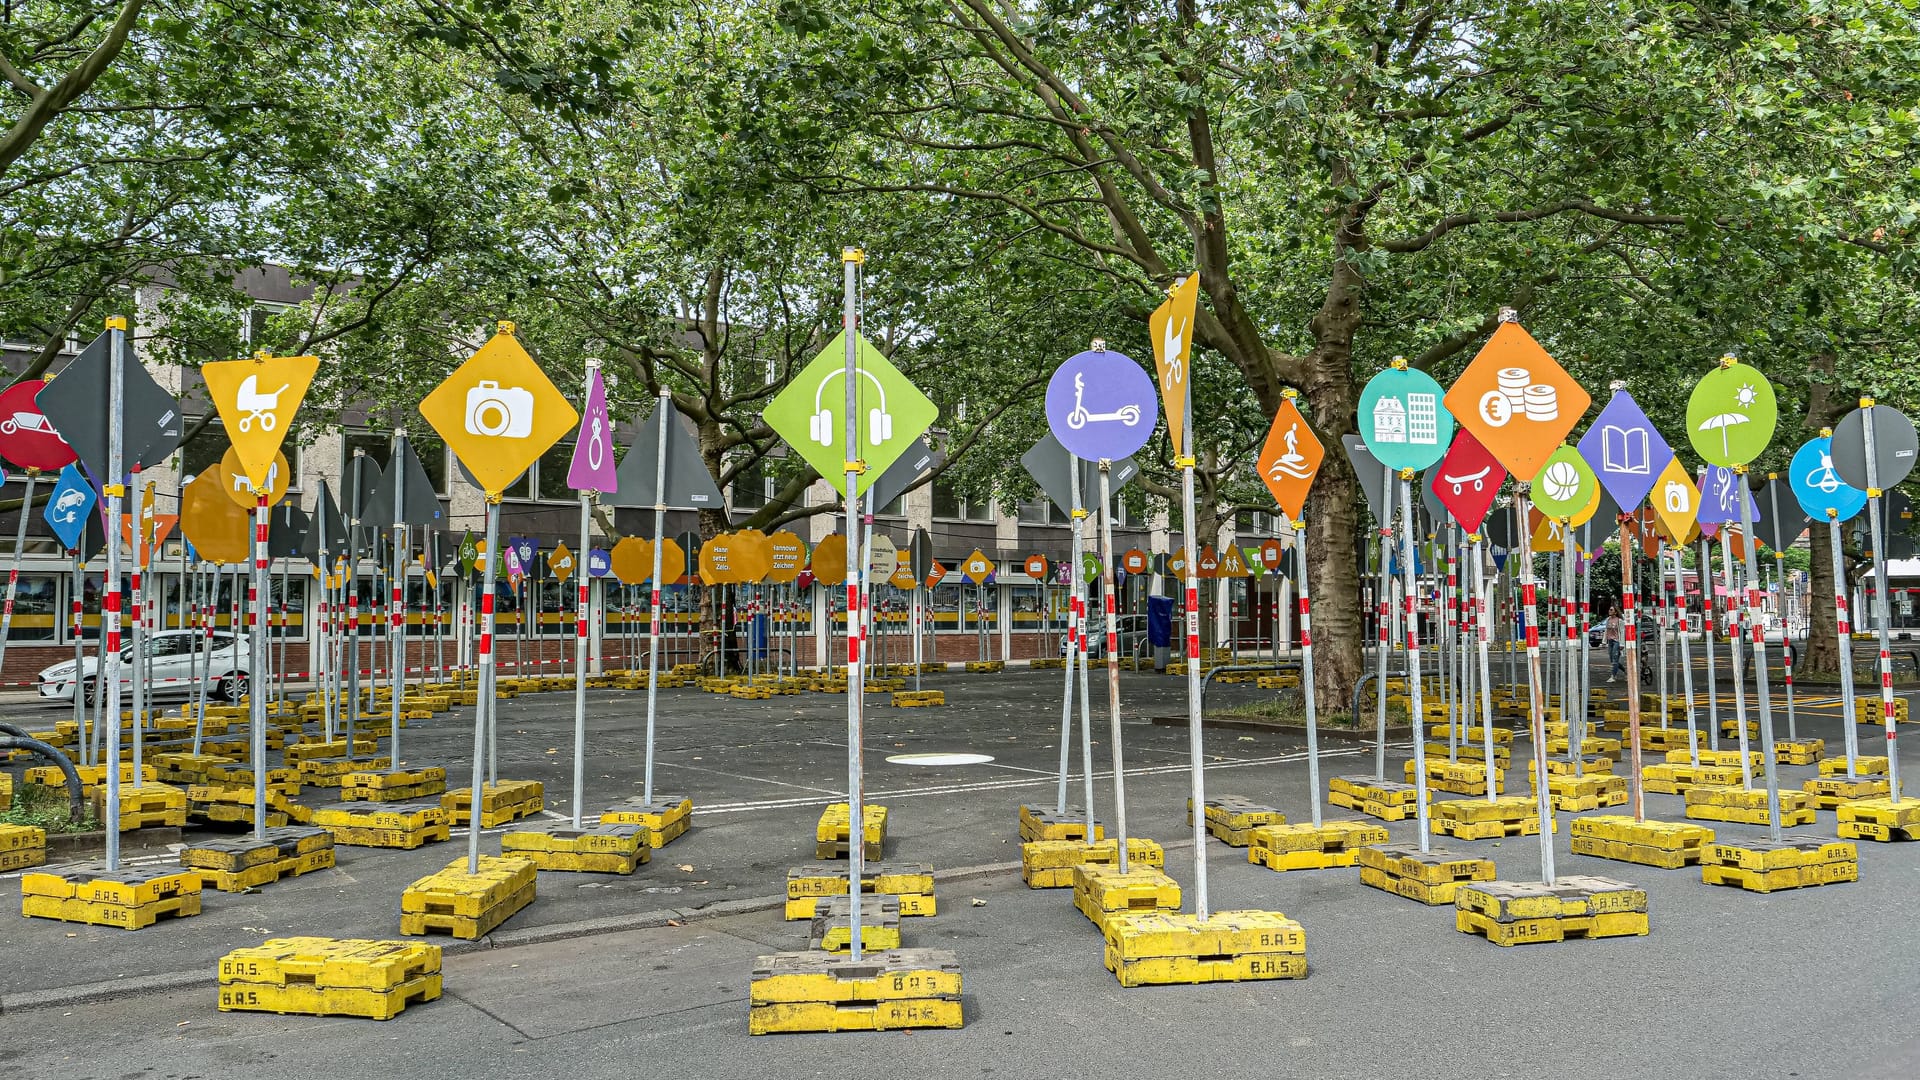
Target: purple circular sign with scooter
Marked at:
1100, 404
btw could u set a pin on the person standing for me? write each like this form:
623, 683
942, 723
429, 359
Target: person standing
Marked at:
1615, 637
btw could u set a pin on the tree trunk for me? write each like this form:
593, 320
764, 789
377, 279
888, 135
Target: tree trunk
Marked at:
1333, 515
1821, 653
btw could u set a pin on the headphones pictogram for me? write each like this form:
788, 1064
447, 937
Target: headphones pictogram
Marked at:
879, 421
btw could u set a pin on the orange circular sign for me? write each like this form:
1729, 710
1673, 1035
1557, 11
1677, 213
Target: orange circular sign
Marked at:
631, 560
787, 555
1134, 561
1037, 567
830, 560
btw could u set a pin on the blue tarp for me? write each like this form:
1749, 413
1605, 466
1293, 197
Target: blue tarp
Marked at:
1160, 621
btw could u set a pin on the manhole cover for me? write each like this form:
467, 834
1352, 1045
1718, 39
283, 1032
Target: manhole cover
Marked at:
939, 759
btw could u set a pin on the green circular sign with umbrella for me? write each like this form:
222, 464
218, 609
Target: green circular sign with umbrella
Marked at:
1731, 415
1566, 484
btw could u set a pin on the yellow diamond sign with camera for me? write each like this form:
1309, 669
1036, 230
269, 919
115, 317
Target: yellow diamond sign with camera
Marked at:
498, 412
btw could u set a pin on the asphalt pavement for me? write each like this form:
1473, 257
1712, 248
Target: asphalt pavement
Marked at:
602, 976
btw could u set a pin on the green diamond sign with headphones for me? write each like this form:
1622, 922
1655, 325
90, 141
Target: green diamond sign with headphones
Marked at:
809, 413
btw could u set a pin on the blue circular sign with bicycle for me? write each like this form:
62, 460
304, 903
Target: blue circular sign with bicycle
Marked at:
1100, 404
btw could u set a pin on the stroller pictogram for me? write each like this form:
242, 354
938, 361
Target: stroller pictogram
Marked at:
256, 405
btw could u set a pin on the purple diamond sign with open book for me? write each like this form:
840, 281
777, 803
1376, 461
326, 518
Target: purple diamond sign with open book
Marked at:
1625, 451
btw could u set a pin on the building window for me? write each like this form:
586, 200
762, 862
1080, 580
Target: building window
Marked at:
1036, 512
751, 487
552, 473
948, 503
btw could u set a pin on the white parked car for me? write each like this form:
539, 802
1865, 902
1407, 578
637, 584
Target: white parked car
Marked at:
177, 655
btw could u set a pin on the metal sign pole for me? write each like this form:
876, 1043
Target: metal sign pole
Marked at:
1409, 604
13, 575
1704, 571
1845, 633
665, 417
1880, 590
850, 261
1536, 717
1080, 651
397, 628
487, 705
322, 669
580, 656
1482, 627
1449, 652
1757, 625
1569, 681
1733, 652
1307, 693
78, 605
257, 653
1195, 742
1069, 653
1630, 640
1113, 662
1686, 660
109, 711
139, 531
1382, 611
1585, 687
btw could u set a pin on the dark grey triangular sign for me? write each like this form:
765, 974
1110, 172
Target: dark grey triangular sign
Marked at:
76, 405
905, 469
287, 527
920, 554
325, 525
421, 506
1368, 469
689, 485
1784, 520
1046, 461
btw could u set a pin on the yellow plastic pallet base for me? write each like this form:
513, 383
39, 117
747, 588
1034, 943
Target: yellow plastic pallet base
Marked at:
1419, 891
1229, 946
912, 883
1044, 823
471, 928
1302, 846
1792, 877
1620, 831
667, 817
601, 849
1863, 765
1801, 752
1049, 864
1829, 792
1785, 853
918, 699
330, 962
255, 877
1101, 892
1530, 931
818, 1016
102, 913
832, 834
22, 858
832, 926
1573, 896
21, 837
327, 1000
